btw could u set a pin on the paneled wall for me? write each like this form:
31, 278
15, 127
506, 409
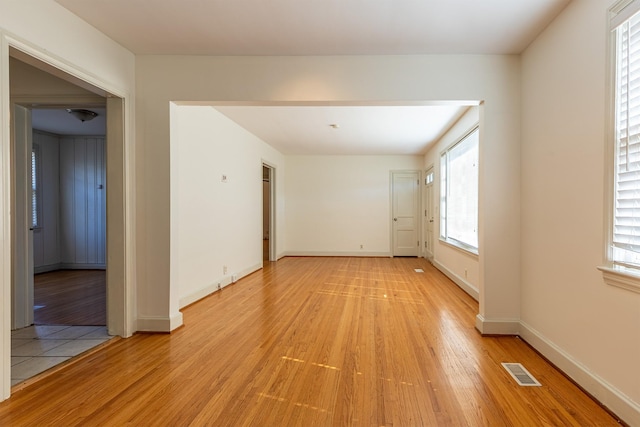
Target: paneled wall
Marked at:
46, 250
82, 202
73, 233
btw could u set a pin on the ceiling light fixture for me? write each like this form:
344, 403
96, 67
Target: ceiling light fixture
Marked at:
334, 126
82, 115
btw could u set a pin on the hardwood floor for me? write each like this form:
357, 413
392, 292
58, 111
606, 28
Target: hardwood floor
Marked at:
313, 342
70, 297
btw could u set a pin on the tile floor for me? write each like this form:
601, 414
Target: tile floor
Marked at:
38, 348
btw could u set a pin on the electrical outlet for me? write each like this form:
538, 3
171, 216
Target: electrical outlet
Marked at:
219, 286
224, 270
361, 246
465, 273
224, 178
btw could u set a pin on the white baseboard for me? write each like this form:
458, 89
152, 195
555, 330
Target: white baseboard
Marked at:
618, 403
46, 268
68, 266
463, 284
217, 285
159, 324
497, 326
338, 254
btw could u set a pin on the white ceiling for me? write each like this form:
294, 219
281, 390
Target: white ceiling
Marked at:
360, 129
327, 27
60, 122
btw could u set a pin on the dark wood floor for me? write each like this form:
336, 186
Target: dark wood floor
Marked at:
313, 342
70, 297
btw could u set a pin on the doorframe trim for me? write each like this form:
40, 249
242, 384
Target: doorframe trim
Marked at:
11, 44
419, 225
425, 173
273, 255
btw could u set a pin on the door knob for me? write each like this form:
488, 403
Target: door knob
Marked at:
395, 219
430, 220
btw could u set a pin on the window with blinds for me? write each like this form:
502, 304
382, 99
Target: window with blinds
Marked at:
626, 218
459, 193
35, 208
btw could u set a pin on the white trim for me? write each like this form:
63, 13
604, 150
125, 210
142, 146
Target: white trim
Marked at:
621, 11
159, 324
62, 65
68, 266
445, 152
336, 254
5, 236
497, 326
610, 145
272, 209
616, 401
217, 285
418, 209
85, 79
204, 292
621, 278
463, 284
459, 246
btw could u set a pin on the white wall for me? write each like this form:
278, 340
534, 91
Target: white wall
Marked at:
588, 328
337, 203
462, 267
48, 31
493, 79
72, 234
82, 202
213, 223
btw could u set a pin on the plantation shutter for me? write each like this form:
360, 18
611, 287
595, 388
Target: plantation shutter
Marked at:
626, 230
34, 189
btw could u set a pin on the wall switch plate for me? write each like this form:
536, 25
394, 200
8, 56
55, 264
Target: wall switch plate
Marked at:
224, 178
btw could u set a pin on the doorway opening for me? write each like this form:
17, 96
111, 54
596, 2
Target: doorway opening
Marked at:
68, 212
59, 278
268, 223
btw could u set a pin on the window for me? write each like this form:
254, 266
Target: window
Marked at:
623, 247
429, 179
35, 187
459, 193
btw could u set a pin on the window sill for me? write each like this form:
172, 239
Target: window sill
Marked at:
621, 278
462, 248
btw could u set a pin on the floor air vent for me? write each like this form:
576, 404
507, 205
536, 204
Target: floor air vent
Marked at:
521, 375
418, 270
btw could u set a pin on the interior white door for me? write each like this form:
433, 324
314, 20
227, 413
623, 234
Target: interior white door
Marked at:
428, 214
22, 303
405, 192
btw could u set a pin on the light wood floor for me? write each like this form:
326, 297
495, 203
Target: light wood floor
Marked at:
313, 342
70, 297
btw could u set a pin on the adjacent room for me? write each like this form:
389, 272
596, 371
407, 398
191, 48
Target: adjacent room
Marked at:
360, 213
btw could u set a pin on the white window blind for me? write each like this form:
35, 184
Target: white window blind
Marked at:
626, 227
34, 189
459, 192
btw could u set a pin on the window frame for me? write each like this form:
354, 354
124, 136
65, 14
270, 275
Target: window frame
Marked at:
615, 272
443, 233
36, 193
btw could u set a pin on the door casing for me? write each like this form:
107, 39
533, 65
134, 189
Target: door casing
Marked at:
429, 215
405, 219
